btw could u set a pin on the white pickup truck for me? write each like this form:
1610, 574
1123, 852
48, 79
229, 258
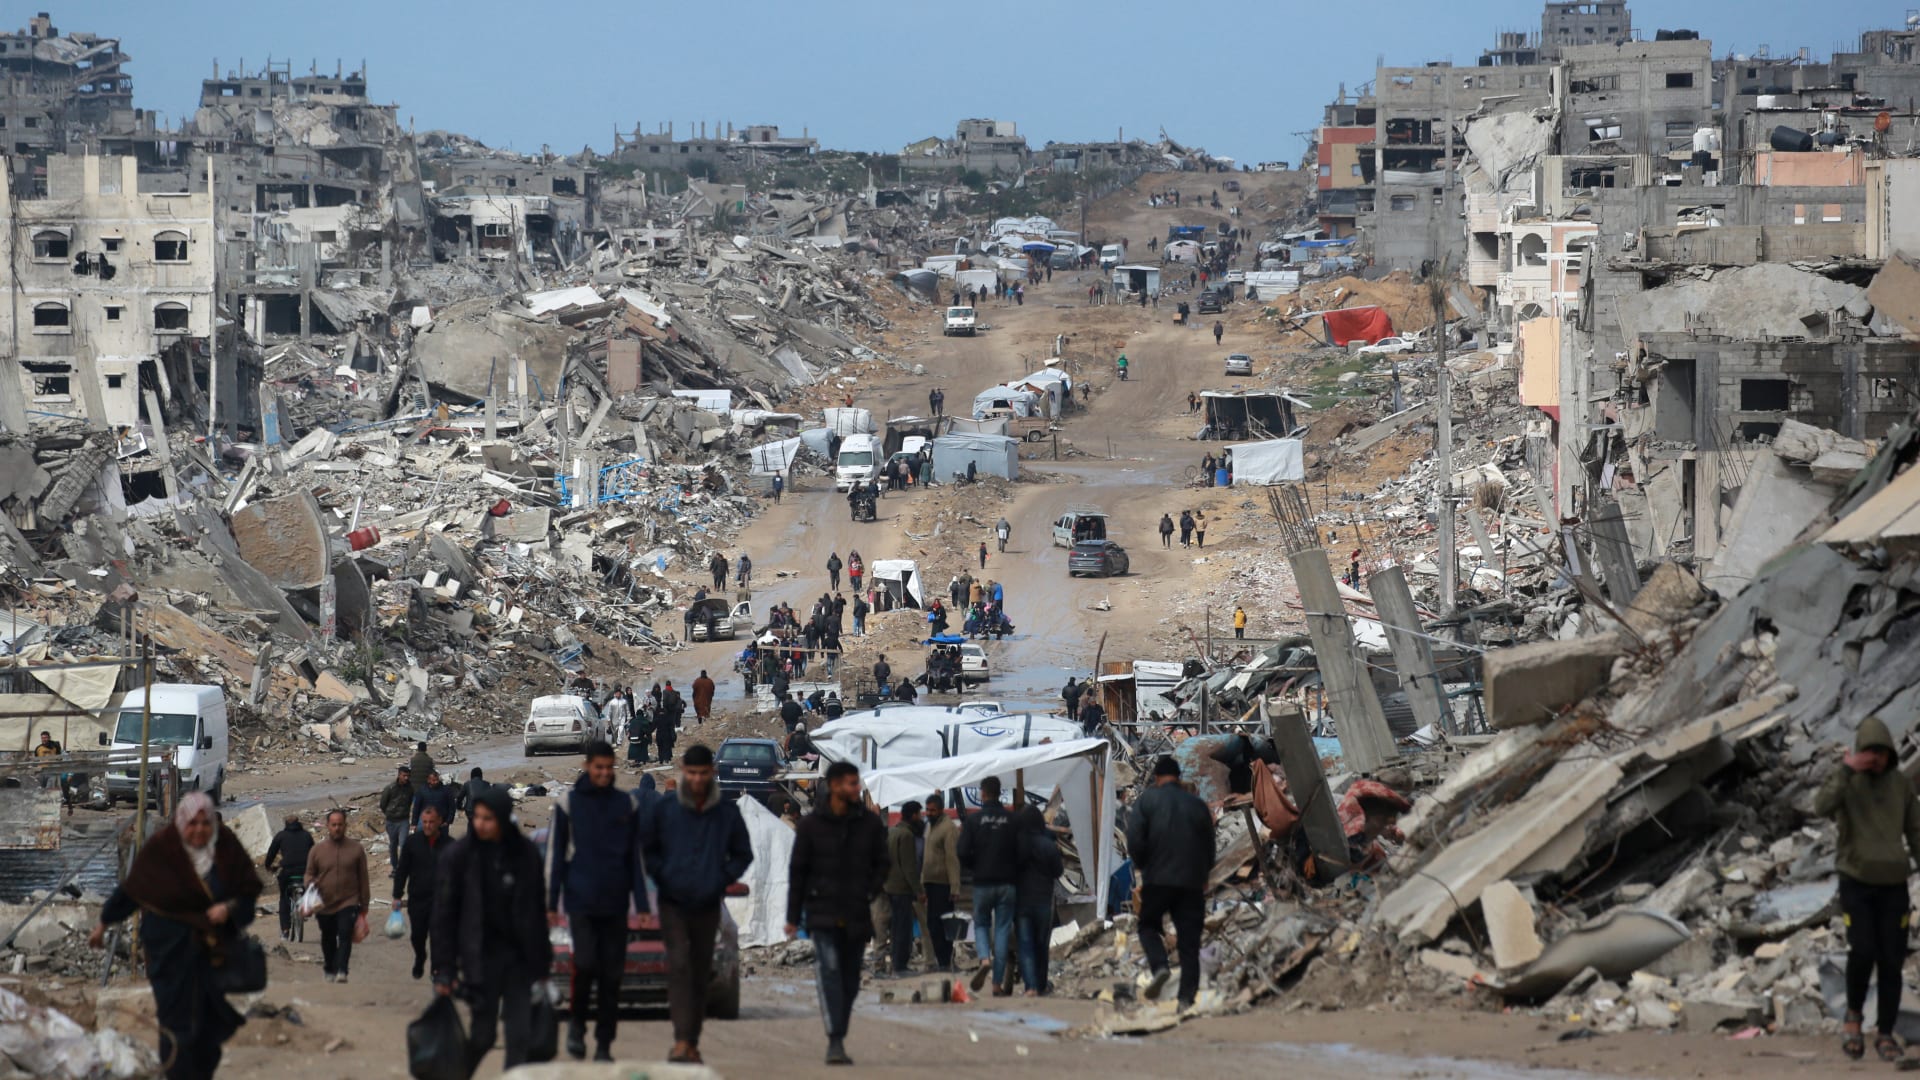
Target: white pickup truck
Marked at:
959, 321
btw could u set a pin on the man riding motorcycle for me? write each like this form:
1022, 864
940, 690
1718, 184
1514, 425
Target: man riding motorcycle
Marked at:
1122, 364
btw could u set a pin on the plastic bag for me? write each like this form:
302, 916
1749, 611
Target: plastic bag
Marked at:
437, 1043
360, 928
543, 1028
397, 925
310, 900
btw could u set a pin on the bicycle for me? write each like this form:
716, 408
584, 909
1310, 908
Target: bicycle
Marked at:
290, 890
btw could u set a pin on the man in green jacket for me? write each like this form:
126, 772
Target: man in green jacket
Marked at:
905, 895
1879, 820
396, 803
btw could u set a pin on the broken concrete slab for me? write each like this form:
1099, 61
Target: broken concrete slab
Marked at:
1528, 684
1776, 505
1670, 592
285, 539
1510, 929
526, 526
1616, 945
252, 826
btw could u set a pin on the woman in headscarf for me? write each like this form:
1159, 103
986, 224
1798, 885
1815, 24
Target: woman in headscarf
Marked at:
197, 886
490, 927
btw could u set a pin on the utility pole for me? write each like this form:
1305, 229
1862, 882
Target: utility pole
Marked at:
1443, 439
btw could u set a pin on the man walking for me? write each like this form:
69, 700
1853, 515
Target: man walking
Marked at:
1170, 839
1186, 528
339, 867
983, 554
718, 565
1070, 694
902, 886
470, 795
396, 806
590, 873
666, 723
1873, 803
1219, 329
990, 847
839, 863
419, 766
419, 868
490, 927
860, 610
437, 795
744, 567
290, 848
939, 877
693, 844
1040, 867
1166, 531
703, 689
1003, 531
833, 571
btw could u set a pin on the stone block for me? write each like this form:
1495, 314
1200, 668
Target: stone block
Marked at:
1528, 684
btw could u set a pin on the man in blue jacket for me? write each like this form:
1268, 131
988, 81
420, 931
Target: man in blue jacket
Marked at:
590, 864
693, 844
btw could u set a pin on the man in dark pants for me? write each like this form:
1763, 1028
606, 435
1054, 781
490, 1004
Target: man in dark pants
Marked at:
718, 565
990, 847
902, 886
290, 848
693, 844
419, 863
1040, 867
490, 927
590, 873
939, 877
396, 807
1873, 803
838, 865
666, 728
338, 865
1170, 840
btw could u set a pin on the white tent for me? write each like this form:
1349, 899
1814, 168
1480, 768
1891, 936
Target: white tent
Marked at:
774, 458
900, 577
1079, 770
1052, 386
966, 425
1019, 402
844, 422
1274, 461
979, 280
990, 455
1181, 251
762, 913
901, 734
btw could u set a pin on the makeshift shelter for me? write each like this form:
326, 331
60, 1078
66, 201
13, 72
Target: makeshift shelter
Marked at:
762, 913
900, 578
844, 422
1275, 461
966, 425
1362, 324
990, 455
1241, 414
1052, 386
1006, 399
902, 734
1185, 251
1079, 770
775, 458
919, 281
1136, 278
978, 280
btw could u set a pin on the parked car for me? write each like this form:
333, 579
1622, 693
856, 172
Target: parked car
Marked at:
973, 664
561, 722
1210, 302
1386, 346
1100, 558
748, 766
1237, 277
643, 985
719, 619
1240, 364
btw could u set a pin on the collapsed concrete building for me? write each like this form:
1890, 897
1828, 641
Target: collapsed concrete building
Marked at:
57, 87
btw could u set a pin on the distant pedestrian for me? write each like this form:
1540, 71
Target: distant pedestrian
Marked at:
290, 848
833, 571
838, 865
718, 564
703, 690
1219, 330
856, 569
1003, 531
1193, 402
1200, 528
860, 610
1166, 531
983, 554
1239, 622
693, 844
1170, 839
338, 865
744, 568
779, 485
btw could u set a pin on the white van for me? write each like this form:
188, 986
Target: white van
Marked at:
188, 720
561, 722
858, 456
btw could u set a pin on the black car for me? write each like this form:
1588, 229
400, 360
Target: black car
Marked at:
1101, 558
748, 766
1210, 302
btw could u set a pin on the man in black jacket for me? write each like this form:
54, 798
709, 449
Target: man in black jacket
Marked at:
838, 866
1170, 840
396, 806
463, 804
1040, 866
693, 844
419, 863
490, 927
990, 847
590, 873
289, 848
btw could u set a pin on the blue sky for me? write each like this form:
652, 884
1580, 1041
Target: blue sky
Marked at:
1238, 79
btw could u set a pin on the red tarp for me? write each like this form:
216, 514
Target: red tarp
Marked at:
1365, 325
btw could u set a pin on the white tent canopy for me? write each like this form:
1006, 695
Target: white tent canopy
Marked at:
848, 421
775, 457
1020, 402
762, 913
901, 734
1273, 461
901, 575
1078, 770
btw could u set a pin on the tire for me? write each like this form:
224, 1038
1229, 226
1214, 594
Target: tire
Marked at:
526, 749
218, 791
726, 1004
1036, 436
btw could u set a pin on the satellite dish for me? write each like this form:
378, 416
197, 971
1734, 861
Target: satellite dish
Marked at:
1883, 123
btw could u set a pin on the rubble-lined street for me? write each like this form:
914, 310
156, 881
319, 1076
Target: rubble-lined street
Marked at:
1459, 578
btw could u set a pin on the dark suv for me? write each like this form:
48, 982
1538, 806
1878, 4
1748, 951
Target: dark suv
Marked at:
1101, 558
747, 767
1210, 302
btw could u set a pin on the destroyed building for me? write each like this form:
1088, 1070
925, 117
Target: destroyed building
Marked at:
661, 150
57, 87
989, 147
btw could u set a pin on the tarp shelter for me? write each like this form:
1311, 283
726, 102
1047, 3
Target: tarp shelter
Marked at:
1006, 399
1363, 324
967, 425
901, 734
845, 422
819, 440
1275, 461
1272, 283
1184, 251
917, 280
762, 913
944, 265
1079, 771
1040, 247
991, 455
718, 402
1249, 414
977, 280
1136, 278
1132, 691
899, 577
775, 458
1052, 386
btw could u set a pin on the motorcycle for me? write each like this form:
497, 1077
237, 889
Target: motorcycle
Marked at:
1123, 373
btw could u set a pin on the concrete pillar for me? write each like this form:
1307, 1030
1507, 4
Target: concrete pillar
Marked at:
1613, 550
1412, 651
1365, 740
1307, 784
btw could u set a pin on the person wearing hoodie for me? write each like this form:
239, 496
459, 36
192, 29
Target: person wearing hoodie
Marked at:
1040, 866
590, 875
693, 844
839, 864
490, 927
990, 847
419, 864
1170, 840
289, 849
1873, 803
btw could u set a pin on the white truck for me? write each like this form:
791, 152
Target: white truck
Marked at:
1112, 255
859, 457
960, 320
